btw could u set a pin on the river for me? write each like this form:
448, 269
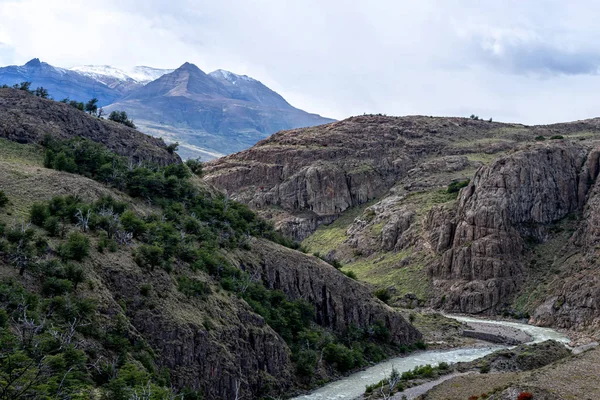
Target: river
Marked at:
353, 385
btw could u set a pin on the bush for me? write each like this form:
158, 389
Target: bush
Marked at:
3, 199
556, 137
38, 214
56, 287
193, 287
52, 226
196, 166
148, 256
351, 274
383, 295
145, 289
306, 362
121, 117
172, 148
76, 248
485, 368
540, 138
455, 187
338, 354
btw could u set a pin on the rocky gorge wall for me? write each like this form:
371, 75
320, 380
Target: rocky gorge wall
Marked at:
482, 242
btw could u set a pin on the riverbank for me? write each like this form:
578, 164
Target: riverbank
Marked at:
353, 386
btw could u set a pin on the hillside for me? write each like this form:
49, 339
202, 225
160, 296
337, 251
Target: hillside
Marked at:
28, 119
211, 114
138, 278
464, 215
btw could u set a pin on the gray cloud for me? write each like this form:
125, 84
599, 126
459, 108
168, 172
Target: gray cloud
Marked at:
532, 62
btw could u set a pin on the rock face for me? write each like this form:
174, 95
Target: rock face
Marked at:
237, 348
573, 299
25, 118
507, 203
340, 302
315, 174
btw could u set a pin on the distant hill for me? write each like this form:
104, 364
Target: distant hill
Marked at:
210, 115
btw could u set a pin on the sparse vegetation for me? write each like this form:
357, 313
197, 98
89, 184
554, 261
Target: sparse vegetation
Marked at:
121, 117
3, 199
455, 187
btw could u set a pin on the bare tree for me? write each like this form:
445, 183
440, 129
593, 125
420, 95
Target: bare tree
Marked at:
83, 221
392, 381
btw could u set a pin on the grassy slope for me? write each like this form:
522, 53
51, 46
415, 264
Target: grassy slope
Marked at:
575, 377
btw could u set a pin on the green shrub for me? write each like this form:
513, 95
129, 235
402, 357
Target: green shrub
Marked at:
76, 248
145, 289
540, 138
148, 256
306, 363
56, 287
193, 287
38, 214
455, 187
485, 368
351, 274
383, 294
556, 137
3, 199
338, 354
52, 226
196, 166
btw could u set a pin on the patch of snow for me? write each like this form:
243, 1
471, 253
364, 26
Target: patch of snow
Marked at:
230, 76
136, 74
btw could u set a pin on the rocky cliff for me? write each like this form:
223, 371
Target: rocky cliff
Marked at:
309, 176
381, 196
340, 302
25, 118
509, 202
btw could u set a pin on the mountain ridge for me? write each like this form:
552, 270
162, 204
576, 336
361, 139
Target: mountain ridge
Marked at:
210, 115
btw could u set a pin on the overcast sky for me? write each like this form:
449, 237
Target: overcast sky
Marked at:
521, 61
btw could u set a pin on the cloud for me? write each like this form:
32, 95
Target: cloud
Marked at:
531, 62
524, 51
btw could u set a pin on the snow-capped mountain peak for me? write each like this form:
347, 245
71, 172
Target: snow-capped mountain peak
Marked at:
139, 74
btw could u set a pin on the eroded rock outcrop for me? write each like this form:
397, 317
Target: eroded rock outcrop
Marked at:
315, 174
507, 203
340, 302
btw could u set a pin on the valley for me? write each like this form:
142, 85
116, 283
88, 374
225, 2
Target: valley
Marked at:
294, 265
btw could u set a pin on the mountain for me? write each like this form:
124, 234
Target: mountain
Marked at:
60, 82
191, 291
211, 114
459, 214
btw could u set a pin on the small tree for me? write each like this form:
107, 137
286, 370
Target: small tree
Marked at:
172, 148
122, 118
91, 106
41, 92
195, 165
